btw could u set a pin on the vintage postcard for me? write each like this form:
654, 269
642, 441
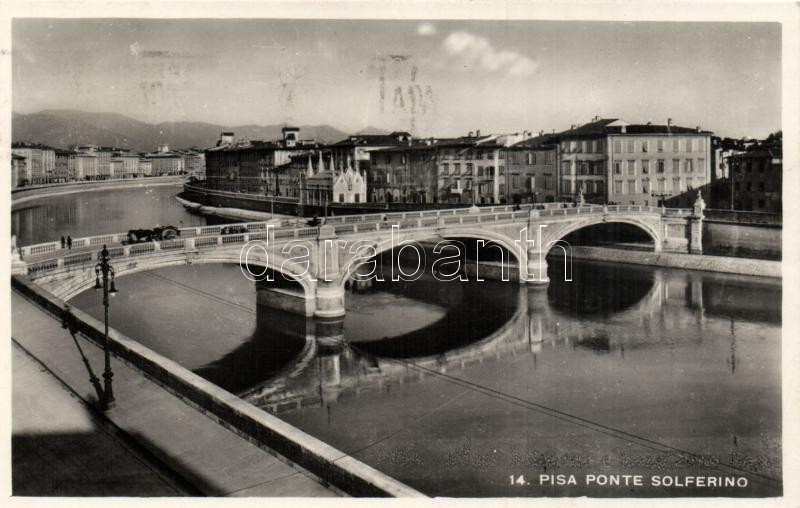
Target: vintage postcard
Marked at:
518, 251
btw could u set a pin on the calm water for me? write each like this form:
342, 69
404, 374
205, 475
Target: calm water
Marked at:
454, 387
99, 212
459, 388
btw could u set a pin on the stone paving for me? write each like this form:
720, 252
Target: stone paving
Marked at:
194, 447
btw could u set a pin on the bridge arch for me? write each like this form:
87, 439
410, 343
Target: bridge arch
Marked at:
69, 283
554, 235
383, 245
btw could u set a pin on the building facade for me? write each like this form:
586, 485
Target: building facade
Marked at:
18, 170
404, 174
532, 166
256, 167
40, 163
758, 178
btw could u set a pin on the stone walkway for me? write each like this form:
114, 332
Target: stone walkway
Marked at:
190, 444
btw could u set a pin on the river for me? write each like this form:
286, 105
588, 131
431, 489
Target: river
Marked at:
477, 389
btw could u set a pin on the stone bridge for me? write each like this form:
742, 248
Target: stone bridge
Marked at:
322, 259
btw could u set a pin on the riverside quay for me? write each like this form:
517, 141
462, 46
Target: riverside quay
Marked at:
291, 264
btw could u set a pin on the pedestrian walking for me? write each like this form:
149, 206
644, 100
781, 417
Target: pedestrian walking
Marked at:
63, 242
69, 242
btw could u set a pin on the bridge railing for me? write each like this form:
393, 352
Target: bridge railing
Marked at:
50, 256
118, 238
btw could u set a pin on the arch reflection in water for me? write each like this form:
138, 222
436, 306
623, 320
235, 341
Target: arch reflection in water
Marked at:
488, 321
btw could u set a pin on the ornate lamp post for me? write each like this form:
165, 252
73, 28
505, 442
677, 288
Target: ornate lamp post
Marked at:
104, 269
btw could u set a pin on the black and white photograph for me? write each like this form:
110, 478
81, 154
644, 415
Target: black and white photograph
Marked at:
352, 251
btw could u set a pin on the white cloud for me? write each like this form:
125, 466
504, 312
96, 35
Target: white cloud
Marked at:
474, 51
426, 29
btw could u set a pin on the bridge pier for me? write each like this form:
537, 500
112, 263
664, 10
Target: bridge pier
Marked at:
329, 292
537, 268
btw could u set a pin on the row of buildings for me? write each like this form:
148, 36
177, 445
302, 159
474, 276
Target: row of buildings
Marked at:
39, 164
605, 160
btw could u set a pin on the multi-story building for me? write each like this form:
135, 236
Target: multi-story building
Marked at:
253, 166
359, 147
165, 162
532, 167
125, 165
18, 169
758, 178
41, 161
144, 167
404, 174
651, 163
609, 160
583, 160
721, 149
472, 169
83, 166
61, 173
194, 162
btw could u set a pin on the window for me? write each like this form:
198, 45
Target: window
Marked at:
676, 166
687, 166
630, 146
515, 181
660, 166
617, 186
701, 165
749, 186
660, 146
631, 167
469, 168
576, 146
676, 147
456, 168
566, 168
631, 186
584, 168
645, 146
676, 184
530, 158
761, 186
701, 144
761, 166
445, 168
341, 198
617, 146
617, 167
645, 166
688, 144
358, 198
480, 170
761, 203
661, 186
402, 159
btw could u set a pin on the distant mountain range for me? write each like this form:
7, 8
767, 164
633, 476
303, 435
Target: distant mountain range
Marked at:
62, 128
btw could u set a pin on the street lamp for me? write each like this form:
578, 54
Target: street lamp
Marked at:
104, 269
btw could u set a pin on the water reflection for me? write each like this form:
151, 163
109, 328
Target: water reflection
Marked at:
645, 308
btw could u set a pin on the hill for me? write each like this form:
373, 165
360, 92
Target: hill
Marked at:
62, 128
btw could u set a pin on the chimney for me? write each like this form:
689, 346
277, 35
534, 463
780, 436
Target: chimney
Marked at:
669, 122
470, 134
649, 123
478, 133
624, 129
698, 128
541, 132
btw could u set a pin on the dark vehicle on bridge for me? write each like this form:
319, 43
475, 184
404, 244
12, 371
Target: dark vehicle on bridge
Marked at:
232, 230
151, 235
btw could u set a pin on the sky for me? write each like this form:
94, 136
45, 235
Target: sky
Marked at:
433, 78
